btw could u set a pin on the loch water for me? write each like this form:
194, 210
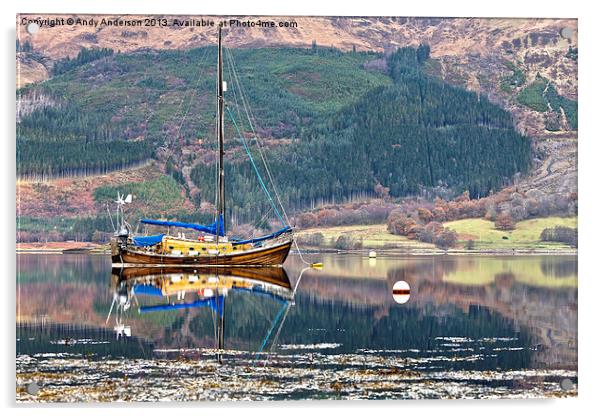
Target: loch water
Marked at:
474, 326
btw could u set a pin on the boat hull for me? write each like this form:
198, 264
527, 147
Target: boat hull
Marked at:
273, 275
274, 255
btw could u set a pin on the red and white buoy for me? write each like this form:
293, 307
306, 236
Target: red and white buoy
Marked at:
401, 292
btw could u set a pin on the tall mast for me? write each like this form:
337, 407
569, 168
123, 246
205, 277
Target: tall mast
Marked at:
220, 136
222, 185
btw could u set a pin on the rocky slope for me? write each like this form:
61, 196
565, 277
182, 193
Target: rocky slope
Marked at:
536, 43
471, 52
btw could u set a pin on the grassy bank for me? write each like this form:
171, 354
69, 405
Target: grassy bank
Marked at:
58, 247
482, 232
525, 236
371, 236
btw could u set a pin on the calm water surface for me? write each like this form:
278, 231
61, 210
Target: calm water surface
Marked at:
474, 326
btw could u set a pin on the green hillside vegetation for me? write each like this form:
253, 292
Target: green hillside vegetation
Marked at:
61, 228
160, 194
83, 57
37, 157
112, 97
541, 96
160, 197
533, 96
510, 82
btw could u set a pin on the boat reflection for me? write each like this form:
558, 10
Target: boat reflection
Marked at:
156, 289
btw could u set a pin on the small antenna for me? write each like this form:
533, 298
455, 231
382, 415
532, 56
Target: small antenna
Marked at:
111, 217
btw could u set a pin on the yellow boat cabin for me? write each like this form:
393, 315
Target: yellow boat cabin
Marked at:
188, 247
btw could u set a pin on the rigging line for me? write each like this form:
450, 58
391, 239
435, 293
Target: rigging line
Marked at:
229, 66
240, 117
110, 217
299, 280
260, 149
289, 305
288, 308
300, 256
151, 110
237, 105
249, 114
194, 91
201, 62
232, 77
280, 327
246, 108
262, 219
233, 91
244, 142
188, 109
265, 340
111, 310
229, 62
267, 193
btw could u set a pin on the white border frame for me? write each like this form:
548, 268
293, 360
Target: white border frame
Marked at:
589, 172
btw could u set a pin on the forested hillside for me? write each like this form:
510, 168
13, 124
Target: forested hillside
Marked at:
336, 124
413, 134
157, 99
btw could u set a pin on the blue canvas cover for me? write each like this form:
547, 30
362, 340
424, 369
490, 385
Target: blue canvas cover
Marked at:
148, 290
209, 229
146, 241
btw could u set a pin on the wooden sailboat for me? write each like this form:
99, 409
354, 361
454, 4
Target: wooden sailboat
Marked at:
211, 247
